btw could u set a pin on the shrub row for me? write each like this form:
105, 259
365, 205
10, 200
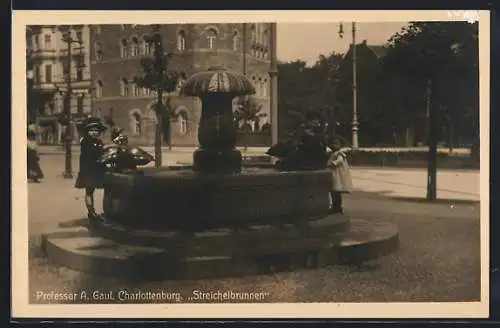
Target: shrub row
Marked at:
407, 159
410, 159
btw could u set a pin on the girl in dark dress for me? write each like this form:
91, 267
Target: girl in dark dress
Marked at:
35, 173
91, 174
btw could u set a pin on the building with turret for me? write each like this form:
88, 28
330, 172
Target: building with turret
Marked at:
116, 52
47, 78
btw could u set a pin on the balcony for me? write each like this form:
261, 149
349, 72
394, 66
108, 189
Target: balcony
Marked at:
44, 53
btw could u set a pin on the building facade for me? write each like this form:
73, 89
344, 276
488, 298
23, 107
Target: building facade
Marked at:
47, 58
115, 59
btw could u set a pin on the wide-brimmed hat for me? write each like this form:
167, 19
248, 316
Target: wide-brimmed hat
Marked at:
93, 123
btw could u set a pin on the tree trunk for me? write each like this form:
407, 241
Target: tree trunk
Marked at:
432, 142
245, 141
450, 138
169, 134
158, 129
158, 141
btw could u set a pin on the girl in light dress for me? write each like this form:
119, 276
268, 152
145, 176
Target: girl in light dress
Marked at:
341, 175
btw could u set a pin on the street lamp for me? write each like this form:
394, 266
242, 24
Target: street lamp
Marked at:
66, 29
355, 124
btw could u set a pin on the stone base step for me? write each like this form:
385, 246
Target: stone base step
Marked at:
78, 249
253, 240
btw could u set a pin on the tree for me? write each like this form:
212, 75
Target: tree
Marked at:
158, 78
247, 111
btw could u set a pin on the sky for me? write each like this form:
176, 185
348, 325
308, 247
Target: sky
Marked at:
306, 41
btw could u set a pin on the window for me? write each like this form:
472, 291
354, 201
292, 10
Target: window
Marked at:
79, 71
266, 88
98, 51
137, 124
37, 42
124, 87
36, 74
97, 29
211, 36
134, 47
146, 49
79, 37
265, 38
98, 113
47, 42
123, 49
253, 34
79, 103
48, 73
183, 122
181, 41
235, 41
135, 90
98, 89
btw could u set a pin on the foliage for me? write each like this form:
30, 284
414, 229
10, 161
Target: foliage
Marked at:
392, 89
160, 79
157, 75
248, 111
445, 53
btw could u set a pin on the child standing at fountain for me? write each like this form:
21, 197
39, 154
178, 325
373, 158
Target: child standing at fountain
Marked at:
341, 175
91, 174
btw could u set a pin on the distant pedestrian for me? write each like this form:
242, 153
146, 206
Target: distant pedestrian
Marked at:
341, 175
91, 174
35, 173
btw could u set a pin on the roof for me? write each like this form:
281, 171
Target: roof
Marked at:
378, 50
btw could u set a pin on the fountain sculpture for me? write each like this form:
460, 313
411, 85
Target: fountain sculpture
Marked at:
218, 218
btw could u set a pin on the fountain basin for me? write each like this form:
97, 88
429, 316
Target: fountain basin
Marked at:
183, 200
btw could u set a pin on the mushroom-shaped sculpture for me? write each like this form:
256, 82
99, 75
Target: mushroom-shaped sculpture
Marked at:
217, 88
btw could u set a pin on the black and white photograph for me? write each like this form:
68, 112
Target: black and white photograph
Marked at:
291, 164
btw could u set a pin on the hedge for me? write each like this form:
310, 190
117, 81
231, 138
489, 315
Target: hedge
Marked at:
407, 159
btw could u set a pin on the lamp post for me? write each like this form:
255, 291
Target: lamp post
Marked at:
355, 123
66, 29
273, 72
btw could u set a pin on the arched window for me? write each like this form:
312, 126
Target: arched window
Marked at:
124, 87
181, 41
146, 49
253, 34
211, 37
265, 38
136, 124
123, 48
236, 41
183, 122
135, 89
98, 50
134, 47
98, 89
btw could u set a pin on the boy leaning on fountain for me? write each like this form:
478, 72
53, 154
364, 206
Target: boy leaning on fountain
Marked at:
341, 175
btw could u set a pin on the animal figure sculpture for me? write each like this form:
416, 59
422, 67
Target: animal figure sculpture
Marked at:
121, 158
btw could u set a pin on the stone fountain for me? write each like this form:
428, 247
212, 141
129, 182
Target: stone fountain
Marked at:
217, 218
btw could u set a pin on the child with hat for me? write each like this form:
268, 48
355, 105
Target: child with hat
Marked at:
91, 173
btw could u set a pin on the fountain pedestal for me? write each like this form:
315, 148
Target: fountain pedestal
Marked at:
217, 137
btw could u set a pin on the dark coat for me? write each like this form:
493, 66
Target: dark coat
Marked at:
91, 174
